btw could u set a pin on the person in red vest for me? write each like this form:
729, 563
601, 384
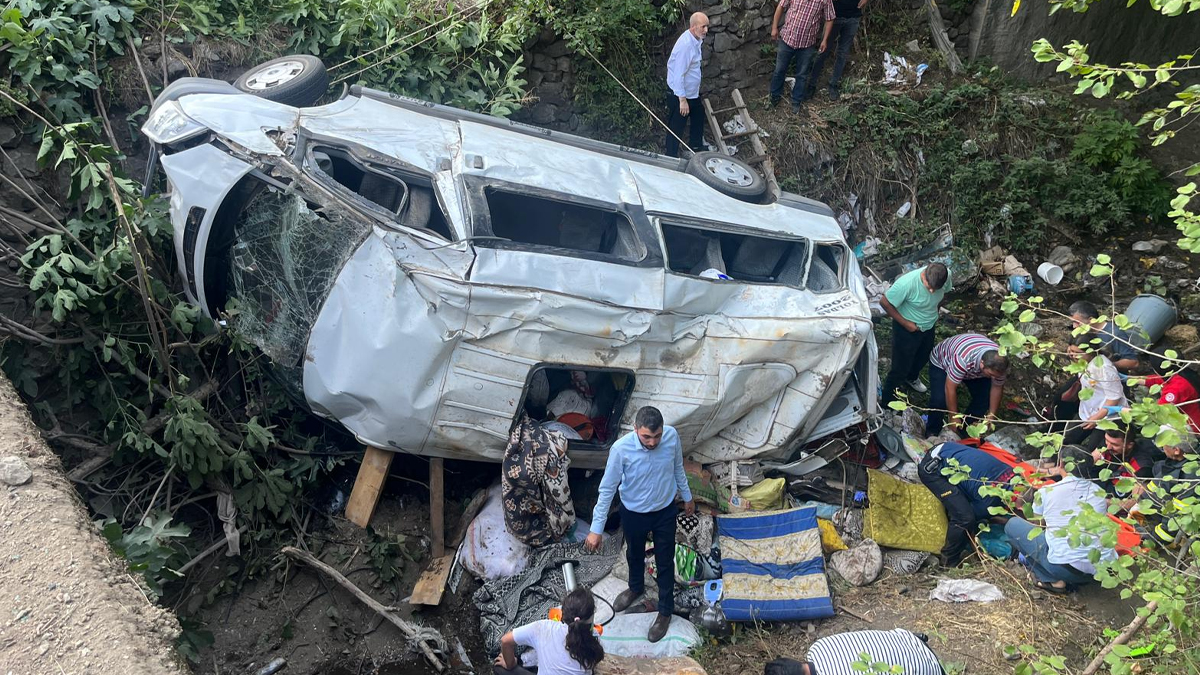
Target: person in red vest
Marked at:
1181, 390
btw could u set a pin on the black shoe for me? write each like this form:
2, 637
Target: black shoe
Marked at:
625, 599
658, 629
774, 101
834, 93
796, 107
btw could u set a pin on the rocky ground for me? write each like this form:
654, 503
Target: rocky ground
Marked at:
68, 605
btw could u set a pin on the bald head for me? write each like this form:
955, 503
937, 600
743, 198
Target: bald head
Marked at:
698, 25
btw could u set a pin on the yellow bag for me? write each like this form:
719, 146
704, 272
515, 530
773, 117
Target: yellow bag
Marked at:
830, 539
765, 495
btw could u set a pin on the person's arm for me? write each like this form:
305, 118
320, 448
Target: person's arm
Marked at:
825, 37
775, 21
994, 401
508, 652
1126, 365
681, 483
676, 68
608, 488
952, 401
895, 314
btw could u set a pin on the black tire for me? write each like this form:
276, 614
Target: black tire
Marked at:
301, 85
728, 175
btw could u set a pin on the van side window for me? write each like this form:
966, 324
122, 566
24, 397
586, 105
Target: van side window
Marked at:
537, 221
693, 250
825, 271
409, 200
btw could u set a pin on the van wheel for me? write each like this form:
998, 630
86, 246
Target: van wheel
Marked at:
298, 80
728, 175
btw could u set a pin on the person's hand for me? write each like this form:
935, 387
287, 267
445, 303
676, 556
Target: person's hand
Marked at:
689, 507
684, 109
774, 34
592, 543
862, 3
500, 662
1097, 455
823, 47
908, 325
1088, 425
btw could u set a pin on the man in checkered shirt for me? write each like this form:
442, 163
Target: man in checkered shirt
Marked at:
805, 34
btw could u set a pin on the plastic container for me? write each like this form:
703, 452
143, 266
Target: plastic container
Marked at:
1018, 284
1050, 273
1153, 314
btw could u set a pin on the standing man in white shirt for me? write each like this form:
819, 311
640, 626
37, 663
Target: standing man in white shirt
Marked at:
683, 77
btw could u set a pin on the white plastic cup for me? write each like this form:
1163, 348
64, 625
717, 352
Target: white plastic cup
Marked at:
1050, 273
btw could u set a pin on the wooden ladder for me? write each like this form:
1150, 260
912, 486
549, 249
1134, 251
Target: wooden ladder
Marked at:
760, 160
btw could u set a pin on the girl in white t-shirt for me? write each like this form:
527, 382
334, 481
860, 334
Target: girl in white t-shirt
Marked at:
567, 647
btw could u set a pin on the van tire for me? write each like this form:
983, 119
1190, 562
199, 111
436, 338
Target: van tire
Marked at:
728, 175
299, 80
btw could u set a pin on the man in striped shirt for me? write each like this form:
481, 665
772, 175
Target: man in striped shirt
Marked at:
805, 34
968, 359
837, 654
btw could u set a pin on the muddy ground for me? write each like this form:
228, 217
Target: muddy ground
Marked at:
67, 604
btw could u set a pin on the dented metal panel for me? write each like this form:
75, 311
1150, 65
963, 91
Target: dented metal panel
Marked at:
429, 347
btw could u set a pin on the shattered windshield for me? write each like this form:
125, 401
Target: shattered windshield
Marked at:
284, 261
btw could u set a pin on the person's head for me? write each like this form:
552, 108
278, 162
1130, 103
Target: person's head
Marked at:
1076, 461
994, 365
1087, 343
578, 612
934, 276
698, 25
786, 666
1083, 313
1177, 452
1118, 440
648, 425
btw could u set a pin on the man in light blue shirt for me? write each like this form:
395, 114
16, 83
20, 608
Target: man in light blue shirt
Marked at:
683, 77
647, 466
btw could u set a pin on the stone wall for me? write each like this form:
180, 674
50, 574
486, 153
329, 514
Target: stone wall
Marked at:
1116, 33
733, 57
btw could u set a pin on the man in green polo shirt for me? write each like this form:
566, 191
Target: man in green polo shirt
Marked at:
913, 302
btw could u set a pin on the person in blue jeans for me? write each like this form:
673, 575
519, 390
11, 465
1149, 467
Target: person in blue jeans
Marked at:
805, 33
845, 27
1056, 563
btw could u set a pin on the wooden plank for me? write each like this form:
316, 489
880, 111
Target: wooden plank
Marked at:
368, 486
752, 131
432, 582
473, 508
437, 508
714, 127
760, 150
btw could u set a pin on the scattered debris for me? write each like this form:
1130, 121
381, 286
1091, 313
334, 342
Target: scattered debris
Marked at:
896, 70
1183, 334
1151, 246
965, 590
14, 471
859, 565
1064, 257
421, 636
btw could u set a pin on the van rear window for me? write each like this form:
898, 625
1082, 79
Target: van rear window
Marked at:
694, 251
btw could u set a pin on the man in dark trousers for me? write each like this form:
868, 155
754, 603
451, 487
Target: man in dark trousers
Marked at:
913, 302
966, 506
647, 466
683, 77
804, 34
845, 26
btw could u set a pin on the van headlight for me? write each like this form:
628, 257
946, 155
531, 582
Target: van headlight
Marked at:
168, 125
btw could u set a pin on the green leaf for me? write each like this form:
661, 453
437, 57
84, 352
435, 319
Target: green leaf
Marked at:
1027, 316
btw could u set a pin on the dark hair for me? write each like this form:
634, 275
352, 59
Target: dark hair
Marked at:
578, 608
1089, 340
784, 666
992, 360
1081, 459
936, 274
648, 417
1083, 308
1120, 431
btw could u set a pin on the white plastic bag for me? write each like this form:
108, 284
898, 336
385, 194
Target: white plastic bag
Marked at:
965, 590
489, 550
625, 635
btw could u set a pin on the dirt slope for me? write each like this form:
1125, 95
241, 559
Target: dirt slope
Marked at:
66, 605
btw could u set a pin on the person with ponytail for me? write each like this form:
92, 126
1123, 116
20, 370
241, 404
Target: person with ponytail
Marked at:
566, 647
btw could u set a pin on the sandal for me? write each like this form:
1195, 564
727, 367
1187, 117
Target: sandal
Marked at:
1051, 588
